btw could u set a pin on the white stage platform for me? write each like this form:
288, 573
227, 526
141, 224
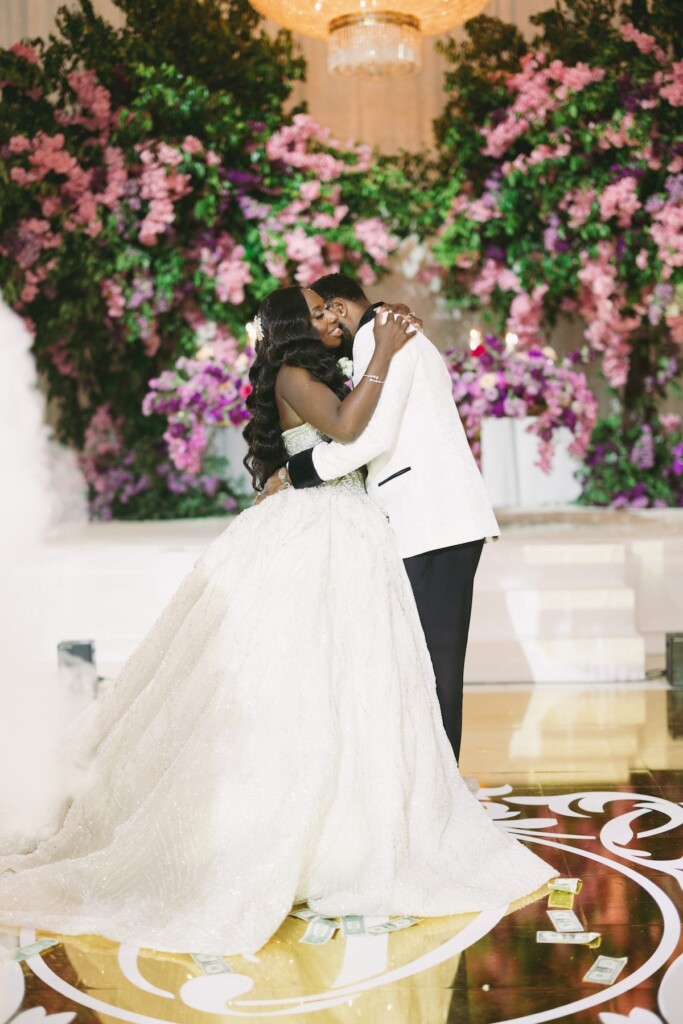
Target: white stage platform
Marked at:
573, 595
576, 595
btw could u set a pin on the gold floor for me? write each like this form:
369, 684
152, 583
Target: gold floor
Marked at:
590, 777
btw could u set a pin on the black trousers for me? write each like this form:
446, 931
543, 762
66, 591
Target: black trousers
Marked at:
442, 583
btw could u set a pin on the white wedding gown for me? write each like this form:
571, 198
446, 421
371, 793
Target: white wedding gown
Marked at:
276, 737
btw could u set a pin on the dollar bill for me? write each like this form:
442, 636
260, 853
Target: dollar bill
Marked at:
393, 926
560, 900
592, 939
211, 964
24, 952
320, 930
566, 885
353, 924
304, 914
605, 970
565, 921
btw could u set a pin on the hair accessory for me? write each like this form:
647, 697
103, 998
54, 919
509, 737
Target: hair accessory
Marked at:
255, 330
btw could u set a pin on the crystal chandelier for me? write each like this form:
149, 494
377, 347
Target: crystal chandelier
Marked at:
370, 37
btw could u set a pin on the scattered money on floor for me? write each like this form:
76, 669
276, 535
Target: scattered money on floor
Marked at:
605, 970
24, 952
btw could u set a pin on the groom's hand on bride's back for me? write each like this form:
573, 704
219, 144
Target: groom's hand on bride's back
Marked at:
400, 309
274, 484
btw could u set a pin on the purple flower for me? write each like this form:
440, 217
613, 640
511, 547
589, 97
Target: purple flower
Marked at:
495, 252
654, 204
674, 186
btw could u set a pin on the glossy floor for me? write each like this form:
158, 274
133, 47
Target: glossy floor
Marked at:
591, 778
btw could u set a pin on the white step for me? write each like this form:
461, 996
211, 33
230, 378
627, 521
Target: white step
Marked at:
565, 660
595, 611
515, 565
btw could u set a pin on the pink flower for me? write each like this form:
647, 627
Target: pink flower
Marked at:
618, 134
29, 53
601, 304
112, 293
324, 221
670, 421
32, 238
537, 91
374, 235
151, 343
494, 275
366, 275
667, 232
92, 106
169, 155
310, 190
309, 270
61, 359
19, 144
620, 200
290, 145
674, 321
644, 42
117, 176
191, 145
226, 265
673, 90
525, 316
275, 265
546, 152
300, 246
232, 274
50, 206
335, 251
162, 185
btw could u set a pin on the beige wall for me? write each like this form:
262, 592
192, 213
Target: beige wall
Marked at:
30, 18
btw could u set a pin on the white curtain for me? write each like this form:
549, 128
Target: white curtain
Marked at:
397, 113
391, 114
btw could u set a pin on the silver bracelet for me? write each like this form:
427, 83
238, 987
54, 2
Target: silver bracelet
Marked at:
374, 378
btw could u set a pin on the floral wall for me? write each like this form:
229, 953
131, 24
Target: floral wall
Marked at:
565, 201
157, 188
155, 192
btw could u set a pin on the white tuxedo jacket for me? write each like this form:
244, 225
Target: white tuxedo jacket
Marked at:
421, 471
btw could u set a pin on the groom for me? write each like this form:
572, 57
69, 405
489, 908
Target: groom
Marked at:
422, 474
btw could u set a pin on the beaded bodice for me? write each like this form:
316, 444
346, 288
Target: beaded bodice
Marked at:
298, 439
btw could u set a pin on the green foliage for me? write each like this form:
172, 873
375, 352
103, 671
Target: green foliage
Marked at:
589, 112
474, 86
217, 43
638, 466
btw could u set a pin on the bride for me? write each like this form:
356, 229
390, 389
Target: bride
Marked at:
276, 736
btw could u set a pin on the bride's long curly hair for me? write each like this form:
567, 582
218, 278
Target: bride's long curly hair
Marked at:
289, 339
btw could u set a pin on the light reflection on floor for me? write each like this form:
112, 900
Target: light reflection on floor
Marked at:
590, 777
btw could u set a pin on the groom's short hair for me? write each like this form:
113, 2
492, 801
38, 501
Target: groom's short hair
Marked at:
338, 286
